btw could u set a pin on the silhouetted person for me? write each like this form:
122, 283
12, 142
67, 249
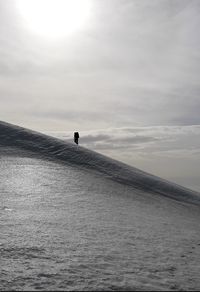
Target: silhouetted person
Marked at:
76, 137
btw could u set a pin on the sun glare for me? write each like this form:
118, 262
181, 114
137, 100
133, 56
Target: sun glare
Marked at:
54, 18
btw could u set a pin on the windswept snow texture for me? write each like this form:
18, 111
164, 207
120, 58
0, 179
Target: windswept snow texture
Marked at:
72, 219
53, 148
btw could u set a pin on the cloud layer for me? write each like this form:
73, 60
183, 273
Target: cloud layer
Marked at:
137, 63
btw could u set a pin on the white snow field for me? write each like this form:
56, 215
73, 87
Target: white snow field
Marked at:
72, 219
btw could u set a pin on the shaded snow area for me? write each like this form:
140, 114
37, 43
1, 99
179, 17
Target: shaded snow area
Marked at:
72, 219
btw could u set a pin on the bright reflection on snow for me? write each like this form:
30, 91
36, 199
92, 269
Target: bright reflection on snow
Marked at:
73, 229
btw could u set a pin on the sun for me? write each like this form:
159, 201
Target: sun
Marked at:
54, 18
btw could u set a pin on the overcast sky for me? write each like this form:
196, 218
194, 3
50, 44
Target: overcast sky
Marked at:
134, 65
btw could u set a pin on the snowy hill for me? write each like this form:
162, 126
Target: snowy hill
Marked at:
14, 137
74, 220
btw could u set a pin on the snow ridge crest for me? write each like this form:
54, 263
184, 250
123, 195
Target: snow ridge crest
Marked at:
48, 147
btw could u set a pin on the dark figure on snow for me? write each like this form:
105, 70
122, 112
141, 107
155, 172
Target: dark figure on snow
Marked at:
76, 137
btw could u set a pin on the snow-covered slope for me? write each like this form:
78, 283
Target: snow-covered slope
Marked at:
74, 220
48, 147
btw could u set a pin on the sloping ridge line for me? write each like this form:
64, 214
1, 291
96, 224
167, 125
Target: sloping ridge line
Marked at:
53, 148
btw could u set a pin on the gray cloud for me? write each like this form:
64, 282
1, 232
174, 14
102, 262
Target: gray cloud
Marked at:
137, 62
151, 140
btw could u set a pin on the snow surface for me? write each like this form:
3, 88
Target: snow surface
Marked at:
72, 219
68, 153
